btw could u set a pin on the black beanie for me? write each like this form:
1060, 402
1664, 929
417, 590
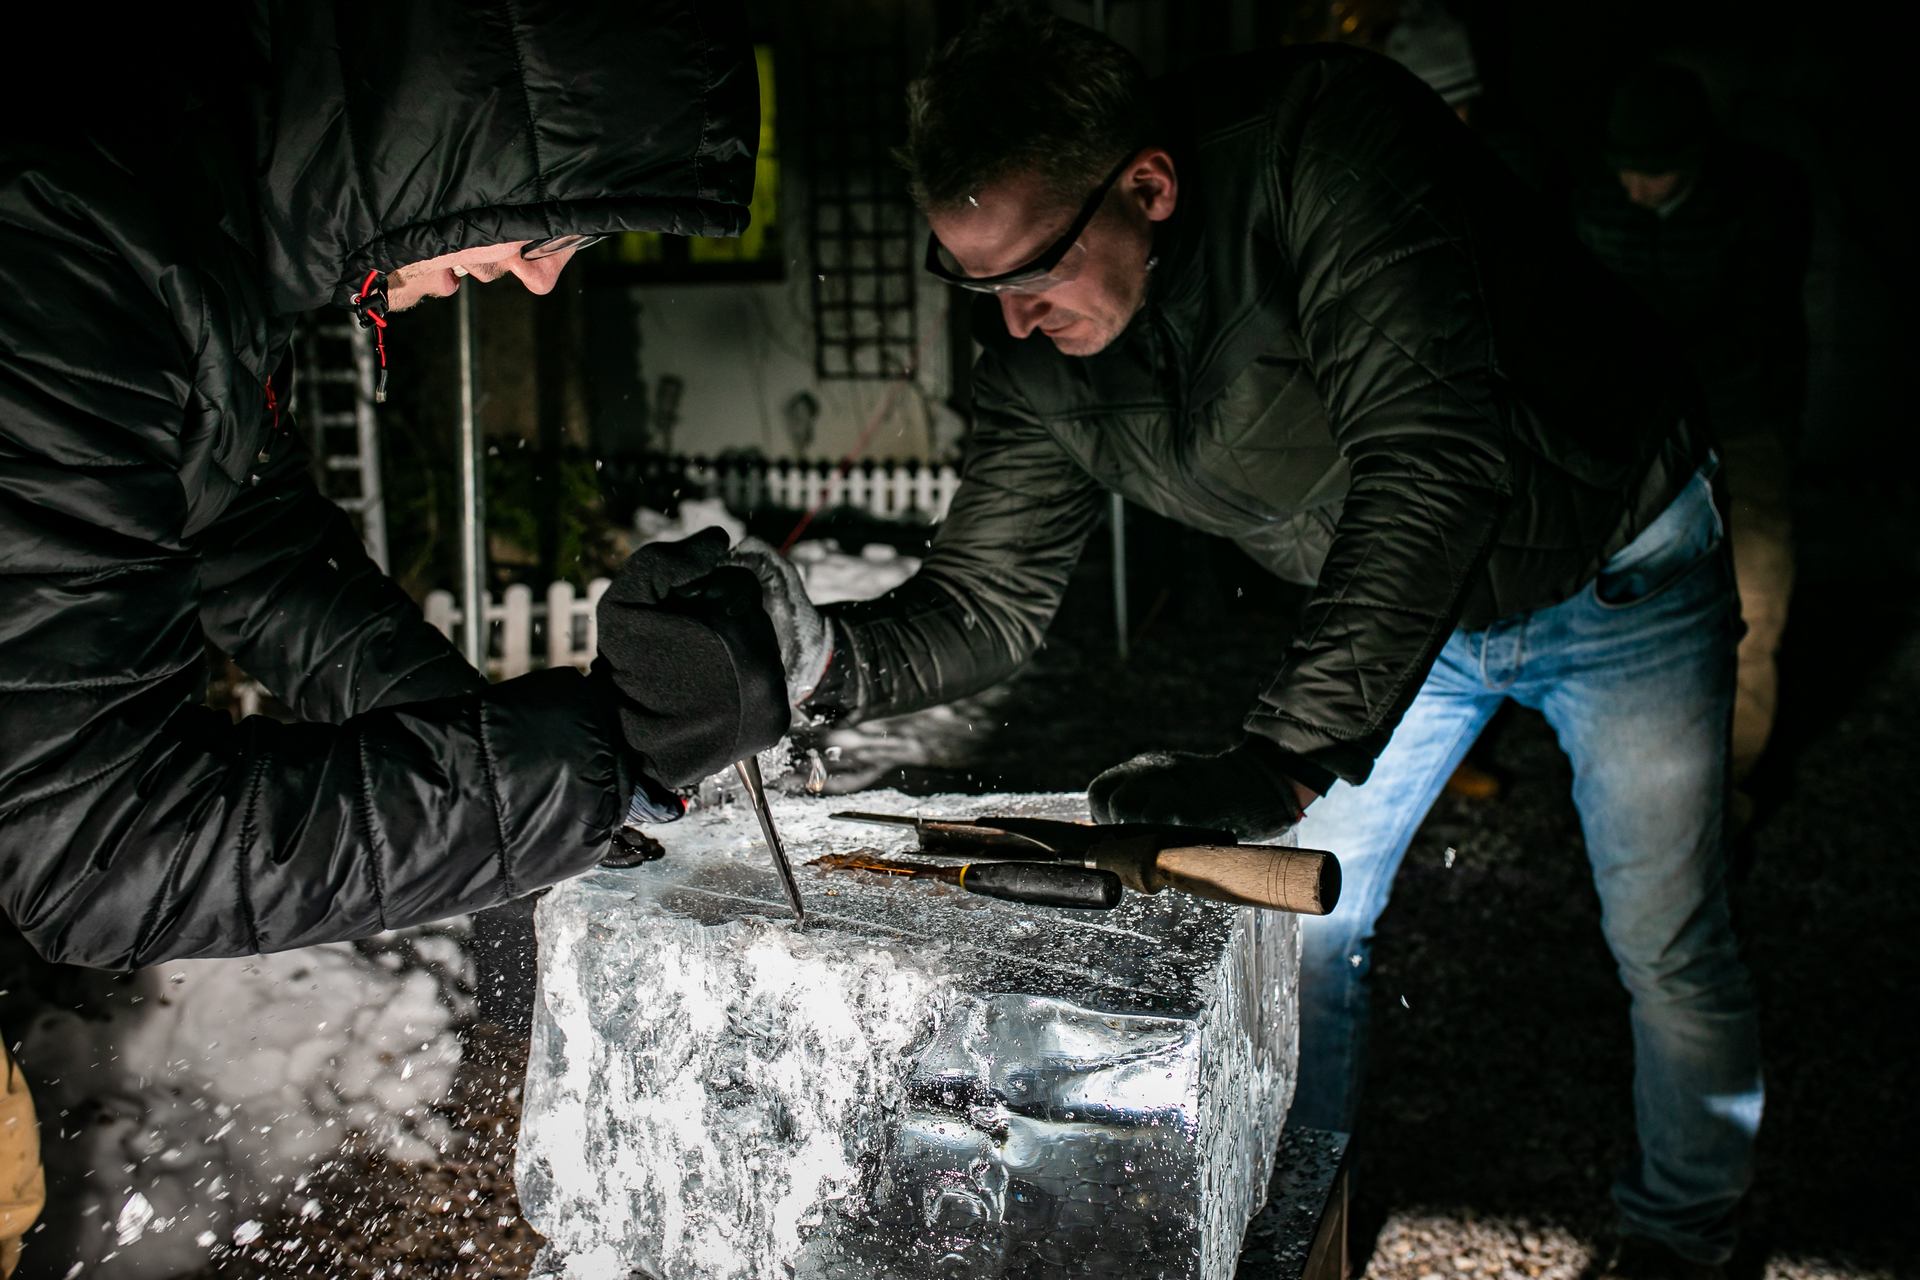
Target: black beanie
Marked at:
1660, 121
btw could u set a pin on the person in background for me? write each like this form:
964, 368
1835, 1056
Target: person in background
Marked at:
1433, 44
23, 1188
1715, 234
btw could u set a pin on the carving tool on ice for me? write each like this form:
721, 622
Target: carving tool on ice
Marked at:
1038, 884
1146, 857
749, 770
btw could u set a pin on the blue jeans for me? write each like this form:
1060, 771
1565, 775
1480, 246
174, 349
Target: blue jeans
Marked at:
1636, 676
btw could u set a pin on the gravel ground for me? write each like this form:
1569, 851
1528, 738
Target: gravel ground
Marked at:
1497, 1101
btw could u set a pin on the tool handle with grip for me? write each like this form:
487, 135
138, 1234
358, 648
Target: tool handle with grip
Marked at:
1304, 881
1043, 884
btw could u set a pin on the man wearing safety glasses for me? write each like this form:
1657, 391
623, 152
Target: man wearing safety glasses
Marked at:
1292, 301
1033, 291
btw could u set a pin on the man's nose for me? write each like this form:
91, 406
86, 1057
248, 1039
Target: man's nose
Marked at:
1022, 312
539, 275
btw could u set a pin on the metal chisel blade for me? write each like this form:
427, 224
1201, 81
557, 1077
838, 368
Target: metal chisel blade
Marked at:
749, 770
881, 819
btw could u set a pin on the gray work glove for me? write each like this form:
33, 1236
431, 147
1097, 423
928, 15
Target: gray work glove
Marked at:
804, 634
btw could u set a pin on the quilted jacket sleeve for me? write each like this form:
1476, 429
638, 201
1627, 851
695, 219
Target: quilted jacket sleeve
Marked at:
1369, 210
287, 590
991, 582
137, 825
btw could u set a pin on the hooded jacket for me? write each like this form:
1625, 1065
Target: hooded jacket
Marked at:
151, 496
1366, 355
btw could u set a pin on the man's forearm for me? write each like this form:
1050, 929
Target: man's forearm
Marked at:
918, 646
1390, 594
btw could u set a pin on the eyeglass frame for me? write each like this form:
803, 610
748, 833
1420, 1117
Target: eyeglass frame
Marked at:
1035, 268
534, 250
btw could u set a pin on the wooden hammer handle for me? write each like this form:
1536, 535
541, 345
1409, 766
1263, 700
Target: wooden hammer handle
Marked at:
1306, 881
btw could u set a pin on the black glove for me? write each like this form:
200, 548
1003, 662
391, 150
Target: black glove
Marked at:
691, 652
1245, 791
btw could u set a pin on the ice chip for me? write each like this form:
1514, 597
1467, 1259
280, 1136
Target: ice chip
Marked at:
135, 1214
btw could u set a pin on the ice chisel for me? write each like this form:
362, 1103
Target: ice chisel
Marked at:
749, 770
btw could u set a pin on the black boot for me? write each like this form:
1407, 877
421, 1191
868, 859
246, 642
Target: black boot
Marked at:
1638, 1258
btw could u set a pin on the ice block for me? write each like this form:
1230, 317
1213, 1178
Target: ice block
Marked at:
924, 1083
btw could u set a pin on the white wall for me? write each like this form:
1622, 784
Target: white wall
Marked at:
744, 350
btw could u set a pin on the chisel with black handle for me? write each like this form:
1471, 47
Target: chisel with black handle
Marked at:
1036, 884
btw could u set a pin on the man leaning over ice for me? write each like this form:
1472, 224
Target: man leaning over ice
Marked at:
153, 495
1291, 300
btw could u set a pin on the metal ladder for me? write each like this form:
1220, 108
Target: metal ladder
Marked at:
335, 388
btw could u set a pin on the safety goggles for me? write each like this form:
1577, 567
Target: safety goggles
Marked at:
556, 244
1061, 262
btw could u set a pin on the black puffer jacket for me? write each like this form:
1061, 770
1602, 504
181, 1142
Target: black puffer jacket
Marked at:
1367, 356
147, 498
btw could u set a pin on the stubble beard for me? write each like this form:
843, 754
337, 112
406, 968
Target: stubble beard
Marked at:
1097, 332
398, 281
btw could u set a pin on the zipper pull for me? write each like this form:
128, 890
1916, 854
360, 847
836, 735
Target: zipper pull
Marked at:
370, 310
273, 407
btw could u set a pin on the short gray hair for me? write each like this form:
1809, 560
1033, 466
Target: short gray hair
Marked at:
1020, 90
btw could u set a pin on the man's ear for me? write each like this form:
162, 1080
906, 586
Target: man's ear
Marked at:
1152, 184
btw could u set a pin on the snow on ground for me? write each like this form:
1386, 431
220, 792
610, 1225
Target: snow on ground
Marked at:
694, 515
832, 575
193, 1099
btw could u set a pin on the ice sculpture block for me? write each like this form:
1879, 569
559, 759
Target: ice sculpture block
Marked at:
924, 1083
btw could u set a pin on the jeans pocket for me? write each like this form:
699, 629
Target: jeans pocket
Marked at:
1680, 538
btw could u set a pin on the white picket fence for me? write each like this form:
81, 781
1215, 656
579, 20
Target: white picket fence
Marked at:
516, 622
894, 490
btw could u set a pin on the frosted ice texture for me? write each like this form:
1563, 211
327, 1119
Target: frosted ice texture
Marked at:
925, 1083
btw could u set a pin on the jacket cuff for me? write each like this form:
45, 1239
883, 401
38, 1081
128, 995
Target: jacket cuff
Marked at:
631, 781
1287, 766
836, 696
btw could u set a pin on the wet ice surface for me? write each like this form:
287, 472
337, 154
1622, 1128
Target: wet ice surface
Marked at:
923, 1083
